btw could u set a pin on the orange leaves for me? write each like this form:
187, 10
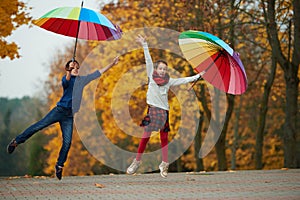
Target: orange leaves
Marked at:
8, 50
113, 96
12, 14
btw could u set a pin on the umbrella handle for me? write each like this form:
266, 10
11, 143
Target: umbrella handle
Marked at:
200, 77
78, 27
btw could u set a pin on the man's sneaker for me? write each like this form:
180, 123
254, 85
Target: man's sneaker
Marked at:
58, 171
133, 167
163, 167
11, 146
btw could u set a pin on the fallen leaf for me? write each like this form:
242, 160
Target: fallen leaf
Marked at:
99, 185
27, 176
13, 177
40, 177
190, 179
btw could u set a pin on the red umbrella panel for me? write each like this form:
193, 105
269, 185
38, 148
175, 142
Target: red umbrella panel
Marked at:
224, 72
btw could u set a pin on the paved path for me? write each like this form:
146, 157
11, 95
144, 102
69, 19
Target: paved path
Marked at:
250, 184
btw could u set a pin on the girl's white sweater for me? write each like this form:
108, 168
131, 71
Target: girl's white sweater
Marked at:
158, 95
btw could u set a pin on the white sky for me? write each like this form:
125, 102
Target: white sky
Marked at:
23, 76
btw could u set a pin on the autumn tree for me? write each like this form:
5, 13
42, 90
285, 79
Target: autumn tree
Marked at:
187, 15
276, 42
267, 70
13, 14
285, 48
232, 25
149, 14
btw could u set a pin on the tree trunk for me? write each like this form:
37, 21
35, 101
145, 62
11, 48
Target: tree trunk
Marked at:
178, 165
290, 68
262, 117
295, 65
236, 135
221, 144
234, 13
290, 125
197, 144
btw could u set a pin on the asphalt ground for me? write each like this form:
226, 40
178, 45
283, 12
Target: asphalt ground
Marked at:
248, 184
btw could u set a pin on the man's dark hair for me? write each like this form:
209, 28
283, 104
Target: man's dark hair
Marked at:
68, 63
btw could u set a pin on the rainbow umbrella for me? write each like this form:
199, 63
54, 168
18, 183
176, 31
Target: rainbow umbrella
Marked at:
79, 22
215, 60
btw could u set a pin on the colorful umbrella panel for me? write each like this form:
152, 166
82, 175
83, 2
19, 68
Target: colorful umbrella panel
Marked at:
215, 60
67, 21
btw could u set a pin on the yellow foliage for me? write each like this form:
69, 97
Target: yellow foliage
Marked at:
109, 94
12, 15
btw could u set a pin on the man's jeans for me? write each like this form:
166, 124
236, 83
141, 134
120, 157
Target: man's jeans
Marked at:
58, 114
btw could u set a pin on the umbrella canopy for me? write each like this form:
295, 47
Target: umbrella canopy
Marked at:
215, 60
79, 22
